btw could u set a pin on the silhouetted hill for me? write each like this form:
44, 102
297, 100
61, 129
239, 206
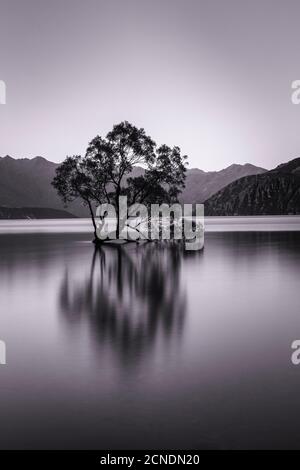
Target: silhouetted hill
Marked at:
200, 185
272, 193
33, 213
27, 183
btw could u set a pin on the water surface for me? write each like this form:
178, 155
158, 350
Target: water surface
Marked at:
149, 346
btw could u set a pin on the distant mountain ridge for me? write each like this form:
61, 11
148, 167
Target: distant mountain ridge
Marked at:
27, 183
33, 213
200, 185
275, 192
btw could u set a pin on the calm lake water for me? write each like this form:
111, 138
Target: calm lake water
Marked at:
148, 346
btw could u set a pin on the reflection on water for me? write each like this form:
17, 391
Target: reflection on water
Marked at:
148, 346
129, 298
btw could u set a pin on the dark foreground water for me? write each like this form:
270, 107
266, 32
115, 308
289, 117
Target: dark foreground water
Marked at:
149, 347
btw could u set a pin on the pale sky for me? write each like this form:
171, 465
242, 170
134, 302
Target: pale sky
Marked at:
212, 76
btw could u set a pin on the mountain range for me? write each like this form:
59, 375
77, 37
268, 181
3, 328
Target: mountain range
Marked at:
27, 183
235, 190
201, 185
33, 213
270, 193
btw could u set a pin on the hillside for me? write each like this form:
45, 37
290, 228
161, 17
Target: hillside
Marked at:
200, 185
33, 213
27, 183
272, 193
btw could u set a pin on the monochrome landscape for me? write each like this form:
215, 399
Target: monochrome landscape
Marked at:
124, 343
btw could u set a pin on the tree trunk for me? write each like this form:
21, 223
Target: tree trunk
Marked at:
96, 239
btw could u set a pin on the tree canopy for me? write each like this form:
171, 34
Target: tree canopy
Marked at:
127, 162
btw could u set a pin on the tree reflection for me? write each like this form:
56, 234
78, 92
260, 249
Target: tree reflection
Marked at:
131, 298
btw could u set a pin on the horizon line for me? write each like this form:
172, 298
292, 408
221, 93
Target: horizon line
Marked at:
192, 168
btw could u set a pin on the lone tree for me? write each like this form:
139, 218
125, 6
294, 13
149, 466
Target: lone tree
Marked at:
127, 162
